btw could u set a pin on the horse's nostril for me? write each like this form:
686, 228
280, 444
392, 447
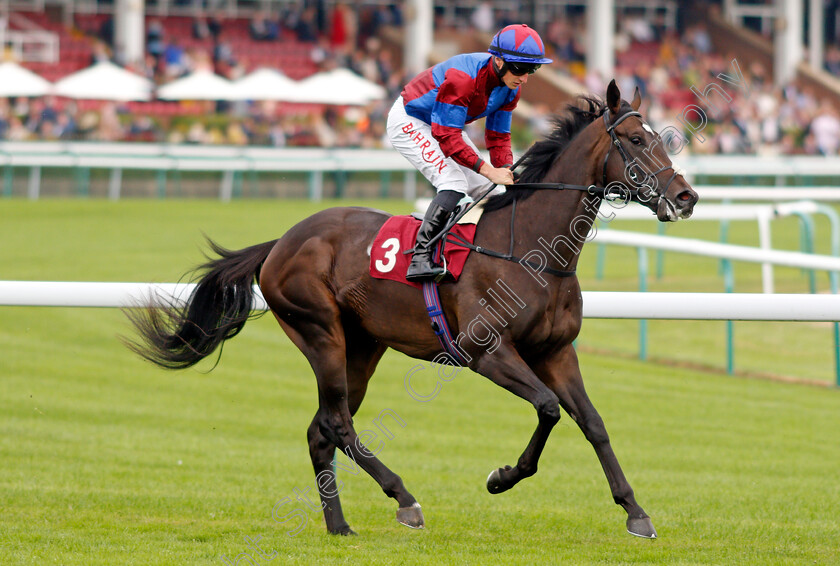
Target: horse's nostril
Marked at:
685, 196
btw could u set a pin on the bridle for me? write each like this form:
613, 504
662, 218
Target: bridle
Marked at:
637, 173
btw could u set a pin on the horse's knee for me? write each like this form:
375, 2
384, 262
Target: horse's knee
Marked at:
595, 431
548, 409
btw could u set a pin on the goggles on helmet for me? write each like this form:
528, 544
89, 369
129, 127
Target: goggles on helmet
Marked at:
520, 69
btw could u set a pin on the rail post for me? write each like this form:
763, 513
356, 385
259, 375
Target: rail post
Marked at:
643, 273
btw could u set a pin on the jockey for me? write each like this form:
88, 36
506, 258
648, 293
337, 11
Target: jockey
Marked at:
426, 125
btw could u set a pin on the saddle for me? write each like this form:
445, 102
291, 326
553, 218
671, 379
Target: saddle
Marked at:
390, 255
390, 252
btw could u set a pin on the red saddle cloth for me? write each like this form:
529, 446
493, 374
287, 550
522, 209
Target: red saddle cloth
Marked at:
399, 233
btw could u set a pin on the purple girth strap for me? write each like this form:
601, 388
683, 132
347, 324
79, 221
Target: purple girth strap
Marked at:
439, 324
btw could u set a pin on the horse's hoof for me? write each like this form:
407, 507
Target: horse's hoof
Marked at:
411, 517
494, 481
344, 531
641, 527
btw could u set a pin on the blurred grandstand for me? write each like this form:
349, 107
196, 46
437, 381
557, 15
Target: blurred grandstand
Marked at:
665, 47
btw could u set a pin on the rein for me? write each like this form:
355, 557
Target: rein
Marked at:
594, 190
637, 175
600, 192
457, 240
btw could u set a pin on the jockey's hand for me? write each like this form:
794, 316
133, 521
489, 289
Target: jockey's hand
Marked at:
499, 175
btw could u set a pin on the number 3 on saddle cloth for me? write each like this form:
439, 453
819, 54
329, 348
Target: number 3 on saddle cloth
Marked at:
399, 233
387, 261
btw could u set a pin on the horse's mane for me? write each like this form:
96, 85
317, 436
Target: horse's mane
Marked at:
543, 153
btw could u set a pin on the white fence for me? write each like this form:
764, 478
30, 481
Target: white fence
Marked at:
761, 213
229, 161
596, 304
766, 193
721, 251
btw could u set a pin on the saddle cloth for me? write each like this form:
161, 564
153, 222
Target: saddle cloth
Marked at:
399, 233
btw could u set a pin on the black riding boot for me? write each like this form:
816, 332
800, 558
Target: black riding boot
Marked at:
422, 266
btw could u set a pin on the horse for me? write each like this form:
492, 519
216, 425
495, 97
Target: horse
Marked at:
316, 282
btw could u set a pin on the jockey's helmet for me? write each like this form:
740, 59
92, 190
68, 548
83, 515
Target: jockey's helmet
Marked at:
518, 43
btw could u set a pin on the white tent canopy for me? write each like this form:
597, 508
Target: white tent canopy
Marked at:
200, 85
104, 81
266, 84
18, 81
339, 86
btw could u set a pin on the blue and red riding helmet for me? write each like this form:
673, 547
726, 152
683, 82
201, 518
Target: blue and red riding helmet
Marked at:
518, 43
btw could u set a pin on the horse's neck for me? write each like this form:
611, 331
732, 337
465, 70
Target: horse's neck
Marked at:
556, 223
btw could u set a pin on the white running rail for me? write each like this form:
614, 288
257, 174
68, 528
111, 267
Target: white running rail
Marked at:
674, 306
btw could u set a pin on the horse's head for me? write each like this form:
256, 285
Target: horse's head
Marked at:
640, 162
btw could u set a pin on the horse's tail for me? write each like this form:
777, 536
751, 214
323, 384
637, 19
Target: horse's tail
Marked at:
179, 336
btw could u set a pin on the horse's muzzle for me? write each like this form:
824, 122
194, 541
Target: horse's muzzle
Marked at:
681, 206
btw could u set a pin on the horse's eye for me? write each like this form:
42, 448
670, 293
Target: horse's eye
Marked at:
636, 140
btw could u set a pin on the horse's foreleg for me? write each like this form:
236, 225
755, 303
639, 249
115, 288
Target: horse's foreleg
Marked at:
507, 369
562, 374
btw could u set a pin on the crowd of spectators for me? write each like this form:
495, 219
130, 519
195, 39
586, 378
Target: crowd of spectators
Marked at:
341, 36
755, 117
758, 118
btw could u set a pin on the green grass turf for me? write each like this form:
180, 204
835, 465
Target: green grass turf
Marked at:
105, 459
149, 240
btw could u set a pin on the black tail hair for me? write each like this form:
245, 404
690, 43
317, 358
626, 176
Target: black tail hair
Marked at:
179, 336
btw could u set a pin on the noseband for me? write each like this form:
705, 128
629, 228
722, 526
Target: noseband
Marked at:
637, 173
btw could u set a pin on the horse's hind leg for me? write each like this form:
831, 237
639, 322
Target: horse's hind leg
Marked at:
363, 353
322, 453
310, 316
561, 373
336, 425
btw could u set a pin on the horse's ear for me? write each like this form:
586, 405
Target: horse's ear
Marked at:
637, 99
613, 97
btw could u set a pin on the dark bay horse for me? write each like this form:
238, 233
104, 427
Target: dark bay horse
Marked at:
316, 281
